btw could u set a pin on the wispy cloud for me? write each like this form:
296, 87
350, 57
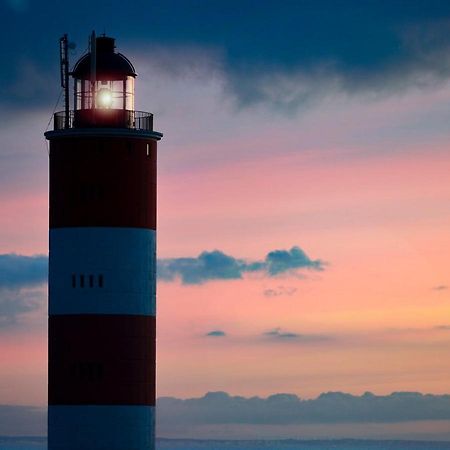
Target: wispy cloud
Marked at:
17, 5
278, 334
440, 287
14, 302
280, 291
421, 62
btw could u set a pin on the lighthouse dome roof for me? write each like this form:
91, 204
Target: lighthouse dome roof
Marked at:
109, 64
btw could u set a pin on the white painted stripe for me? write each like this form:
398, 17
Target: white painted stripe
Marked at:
93, 427
123, 260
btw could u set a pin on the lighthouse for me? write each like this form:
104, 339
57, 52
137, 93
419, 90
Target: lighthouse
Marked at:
102, 259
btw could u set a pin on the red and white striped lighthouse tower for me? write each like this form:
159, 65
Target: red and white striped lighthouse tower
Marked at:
102, 269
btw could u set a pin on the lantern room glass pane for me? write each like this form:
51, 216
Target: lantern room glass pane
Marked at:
129, 94
105, 94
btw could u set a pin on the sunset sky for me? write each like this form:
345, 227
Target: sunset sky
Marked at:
303, 173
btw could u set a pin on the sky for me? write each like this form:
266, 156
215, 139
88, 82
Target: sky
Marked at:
303, 192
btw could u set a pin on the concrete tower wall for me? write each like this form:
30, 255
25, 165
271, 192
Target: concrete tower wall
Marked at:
102, 289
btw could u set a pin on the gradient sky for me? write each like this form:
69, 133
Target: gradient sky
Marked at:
322, 125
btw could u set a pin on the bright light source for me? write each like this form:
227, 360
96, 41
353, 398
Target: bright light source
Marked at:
104, 98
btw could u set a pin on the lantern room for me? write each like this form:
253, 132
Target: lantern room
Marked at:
104, 79
103, 87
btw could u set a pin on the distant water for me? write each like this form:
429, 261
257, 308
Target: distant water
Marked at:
181, 444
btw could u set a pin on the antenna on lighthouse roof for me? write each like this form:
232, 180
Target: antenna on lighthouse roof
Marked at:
93, 46
64, 71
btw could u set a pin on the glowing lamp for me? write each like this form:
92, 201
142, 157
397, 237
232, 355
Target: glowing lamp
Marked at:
104, 98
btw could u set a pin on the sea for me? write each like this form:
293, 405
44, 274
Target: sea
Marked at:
38, 443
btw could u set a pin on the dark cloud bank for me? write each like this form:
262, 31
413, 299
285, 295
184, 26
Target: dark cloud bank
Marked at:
355, 46
22, 420
288, 409
219, 408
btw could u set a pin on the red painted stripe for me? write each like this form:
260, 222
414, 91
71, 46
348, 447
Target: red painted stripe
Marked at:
101, 360
103, 182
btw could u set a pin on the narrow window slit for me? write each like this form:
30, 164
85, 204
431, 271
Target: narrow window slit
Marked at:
100, 281
74, 280
82, 281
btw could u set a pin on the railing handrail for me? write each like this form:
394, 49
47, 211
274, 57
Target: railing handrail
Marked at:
123, 118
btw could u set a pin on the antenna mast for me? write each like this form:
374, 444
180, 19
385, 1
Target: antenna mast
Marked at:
93, 67
64, 67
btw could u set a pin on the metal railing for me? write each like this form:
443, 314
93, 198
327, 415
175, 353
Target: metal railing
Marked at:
103, 118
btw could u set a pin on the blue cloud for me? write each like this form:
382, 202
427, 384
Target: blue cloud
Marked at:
279, 261
217, 265
214, 265
216, 333
20, 271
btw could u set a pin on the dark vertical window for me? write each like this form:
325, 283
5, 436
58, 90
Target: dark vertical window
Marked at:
91, 281
100, 281
82, 281
74, 280
148, 149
